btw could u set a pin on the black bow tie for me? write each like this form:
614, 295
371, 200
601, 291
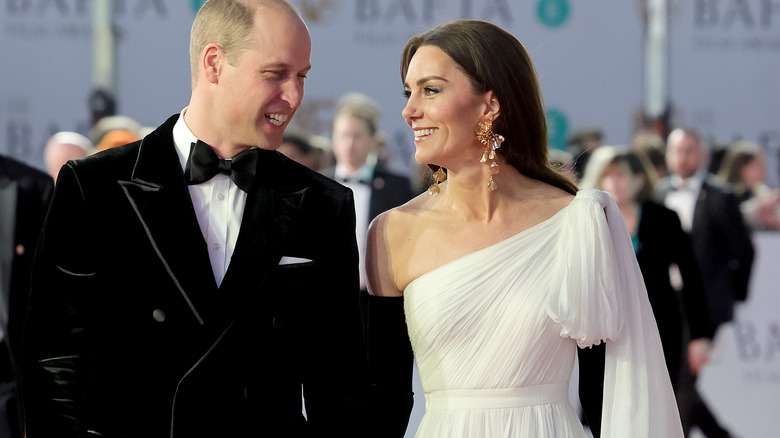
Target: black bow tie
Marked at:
203, 164
355, 181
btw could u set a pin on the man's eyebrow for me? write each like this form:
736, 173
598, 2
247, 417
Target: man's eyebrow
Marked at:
284, 65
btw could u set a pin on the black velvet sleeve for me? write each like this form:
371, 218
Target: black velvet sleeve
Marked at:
54, 359
591, 388
391, 362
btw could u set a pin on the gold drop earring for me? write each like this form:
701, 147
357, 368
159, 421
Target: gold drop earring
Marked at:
490, 141
438, 176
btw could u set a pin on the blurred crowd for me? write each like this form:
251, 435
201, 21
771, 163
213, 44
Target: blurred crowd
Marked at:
690, 207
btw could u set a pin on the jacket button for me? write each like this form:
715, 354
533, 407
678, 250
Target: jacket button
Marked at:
278, 322
158, 315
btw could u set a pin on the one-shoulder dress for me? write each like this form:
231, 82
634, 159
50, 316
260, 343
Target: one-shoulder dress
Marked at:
494, 332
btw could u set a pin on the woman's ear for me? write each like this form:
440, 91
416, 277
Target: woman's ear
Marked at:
493, 107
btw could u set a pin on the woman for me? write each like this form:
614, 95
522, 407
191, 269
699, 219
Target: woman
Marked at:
744, 168
505, 271
661, 247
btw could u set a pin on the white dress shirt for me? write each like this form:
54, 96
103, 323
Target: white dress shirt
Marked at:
683, 199
360, 183
219, 206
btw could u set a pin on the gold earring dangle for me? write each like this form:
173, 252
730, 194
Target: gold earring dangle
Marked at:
438, 176
490, 141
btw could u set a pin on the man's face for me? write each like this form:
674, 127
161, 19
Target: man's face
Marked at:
685, 156
258, 96
352, 141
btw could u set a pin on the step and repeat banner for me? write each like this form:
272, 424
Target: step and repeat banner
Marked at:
741, 384
724, 58
588, 59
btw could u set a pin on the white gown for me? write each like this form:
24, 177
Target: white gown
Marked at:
495, 333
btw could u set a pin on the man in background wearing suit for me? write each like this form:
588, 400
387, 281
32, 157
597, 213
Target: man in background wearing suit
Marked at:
357, 146
722, 247
197, 282
24, 197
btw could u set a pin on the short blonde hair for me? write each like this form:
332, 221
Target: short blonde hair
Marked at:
228, 23
361, 106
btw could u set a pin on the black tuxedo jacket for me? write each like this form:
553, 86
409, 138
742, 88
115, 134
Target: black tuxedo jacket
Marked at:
388, 190
722, 247
128, 334
661, 242
25, 193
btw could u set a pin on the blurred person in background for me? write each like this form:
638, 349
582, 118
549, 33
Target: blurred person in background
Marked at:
62, 147
653, 147
301, 148
744, 167
25, 193
709, 212
581, 145
661, 246
106, 124
563, 161
116, 137
356, 141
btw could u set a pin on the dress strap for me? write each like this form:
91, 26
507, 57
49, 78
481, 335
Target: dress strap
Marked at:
550, 393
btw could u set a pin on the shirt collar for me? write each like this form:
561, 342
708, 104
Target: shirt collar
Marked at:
364, 174
693, 183
183, 139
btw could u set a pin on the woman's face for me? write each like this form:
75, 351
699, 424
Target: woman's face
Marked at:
442, 109
753, 172
621, 184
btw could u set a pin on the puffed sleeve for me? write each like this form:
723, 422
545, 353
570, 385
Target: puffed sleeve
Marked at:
599, 295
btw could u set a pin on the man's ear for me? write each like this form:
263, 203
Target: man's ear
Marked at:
211, 60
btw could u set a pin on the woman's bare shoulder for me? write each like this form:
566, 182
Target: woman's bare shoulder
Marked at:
399, 219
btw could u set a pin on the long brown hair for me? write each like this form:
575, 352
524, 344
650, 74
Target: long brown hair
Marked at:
495, 60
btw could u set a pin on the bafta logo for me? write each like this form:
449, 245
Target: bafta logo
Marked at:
319, 11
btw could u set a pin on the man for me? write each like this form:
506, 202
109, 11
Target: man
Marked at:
170, 303
722, 247
24, 197
357, 143
710, 213
62, 147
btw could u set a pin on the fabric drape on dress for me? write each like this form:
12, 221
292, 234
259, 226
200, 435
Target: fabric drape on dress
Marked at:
495, 332
613, 305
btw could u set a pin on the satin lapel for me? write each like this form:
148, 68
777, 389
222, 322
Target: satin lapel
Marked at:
8, 198
270, 217
161, 200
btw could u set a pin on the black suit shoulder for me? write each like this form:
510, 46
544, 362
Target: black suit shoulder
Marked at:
25, 174
660, 216
313, 178
388, 190
714, 182
383, 172
115, 163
